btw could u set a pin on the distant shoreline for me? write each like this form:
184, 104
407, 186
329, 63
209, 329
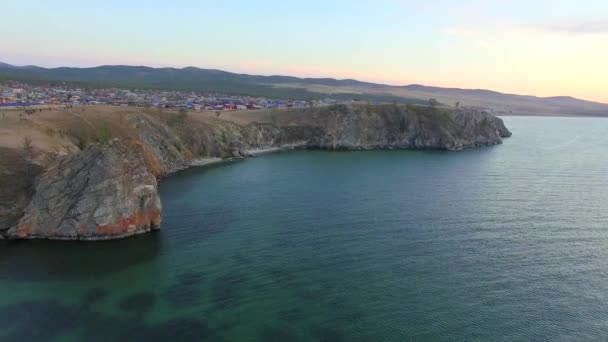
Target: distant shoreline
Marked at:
556, 115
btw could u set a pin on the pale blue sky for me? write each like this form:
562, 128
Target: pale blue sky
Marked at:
536, 47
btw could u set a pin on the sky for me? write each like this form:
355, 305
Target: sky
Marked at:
535, 47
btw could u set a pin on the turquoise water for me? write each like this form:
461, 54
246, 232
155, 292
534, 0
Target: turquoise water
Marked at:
502, 243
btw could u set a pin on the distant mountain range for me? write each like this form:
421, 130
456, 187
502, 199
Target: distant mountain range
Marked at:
287, 87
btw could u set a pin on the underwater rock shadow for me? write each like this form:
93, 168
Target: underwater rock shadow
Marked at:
186, 291
48, 320
40, 260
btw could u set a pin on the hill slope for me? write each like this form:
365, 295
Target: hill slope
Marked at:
287, 87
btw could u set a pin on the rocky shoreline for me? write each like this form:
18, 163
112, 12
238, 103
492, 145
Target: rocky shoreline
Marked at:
109, 190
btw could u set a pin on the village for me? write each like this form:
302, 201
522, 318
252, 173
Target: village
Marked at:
20, 94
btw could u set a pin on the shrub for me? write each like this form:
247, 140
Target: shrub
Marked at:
84, 136
103, 133
178, 119
80, 137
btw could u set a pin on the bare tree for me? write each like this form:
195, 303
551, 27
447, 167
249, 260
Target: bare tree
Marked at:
28, 153
25, 165
27, 150
218, 113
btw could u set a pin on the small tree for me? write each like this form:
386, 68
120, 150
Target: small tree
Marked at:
433, 103
3, 115
218, 113
28, 153
27, 149
457, 104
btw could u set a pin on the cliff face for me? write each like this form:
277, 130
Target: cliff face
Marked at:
334, 127
104, 192
109, 190
395, 127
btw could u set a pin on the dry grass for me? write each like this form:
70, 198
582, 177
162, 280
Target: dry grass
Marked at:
61, 130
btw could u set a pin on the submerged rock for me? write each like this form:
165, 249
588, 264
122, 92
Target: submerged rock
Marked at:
104, 192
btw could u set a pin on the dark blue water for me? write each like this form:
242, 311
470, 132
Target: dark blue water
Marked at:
502, 243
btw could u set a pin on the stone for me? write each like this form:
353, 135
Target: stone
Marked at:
103, 192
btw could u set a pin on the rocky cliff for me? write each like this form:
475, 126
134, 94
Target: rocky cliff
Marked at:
104, 192
397, 127
336, 127
109, 190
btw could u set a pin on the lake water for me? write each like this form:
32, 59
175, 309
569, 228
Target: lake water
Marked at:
501, 243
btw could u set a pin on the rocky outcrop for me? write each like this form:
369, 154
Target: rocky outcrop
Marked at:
104, 192
109, 190
400, 127
172, 147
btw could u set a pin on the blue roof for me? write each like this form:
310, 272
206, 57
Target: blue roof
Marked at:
17, 104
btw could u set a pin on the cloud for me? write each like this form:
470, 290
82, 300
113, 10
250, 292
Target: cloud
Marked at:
482, 39
581, 28
460, 32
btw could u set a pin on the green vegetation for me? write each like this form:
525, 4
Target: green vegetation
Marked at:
179, 119
104, 133
85, 135
189, 79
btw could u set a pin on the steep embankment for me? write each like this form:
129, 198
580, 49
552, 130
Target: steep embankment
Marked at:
102, 185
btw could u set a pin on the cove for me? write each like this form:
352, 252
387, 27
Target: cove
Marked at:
504, 242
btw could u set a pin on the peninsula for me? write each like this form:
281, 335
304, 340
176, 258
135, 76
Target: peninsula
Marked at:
90, 172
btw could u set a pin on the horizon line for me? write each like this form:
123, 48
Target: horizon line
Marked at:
302, 77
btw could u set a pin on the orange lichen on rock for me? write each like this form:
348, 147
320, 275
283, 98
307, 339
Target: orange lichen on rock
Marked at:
104, 192
24, 230
139, 221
